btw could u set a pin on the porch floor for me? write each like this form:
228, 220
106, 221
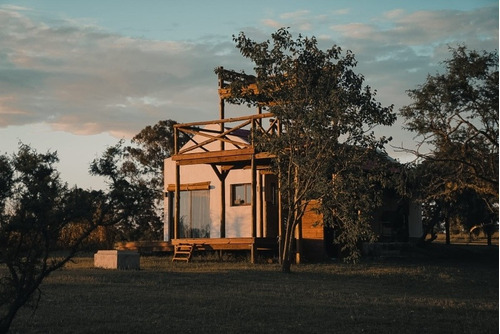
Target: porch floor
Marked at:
202, 244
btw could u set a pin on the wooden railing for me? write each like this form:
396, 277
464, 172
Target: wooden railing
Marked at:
238, 132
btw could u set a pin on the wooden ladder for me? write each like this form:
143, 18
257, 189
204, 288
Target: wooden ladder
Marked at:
183, 252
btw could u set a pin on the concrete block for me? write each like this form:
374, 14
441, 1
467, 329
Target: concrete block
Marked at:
117, 259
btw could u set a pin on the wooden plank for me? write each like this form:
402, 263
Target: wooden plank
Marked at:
250, 89
215, 160
190, 186
225, 120
222, 157
145, 246
213, 154
201, 244
213, 157
206, 241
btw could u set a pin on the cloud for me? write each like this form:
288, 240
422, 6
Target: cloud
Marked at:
272, 23
84, 80
300, 14
343, 11
424, 27
397, 49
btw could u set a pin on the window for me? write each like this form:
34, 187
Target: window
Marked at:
241, 194
194, 214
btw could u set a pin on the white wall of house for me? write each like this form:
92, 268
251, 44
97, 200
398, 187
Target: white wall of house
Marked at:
415, 229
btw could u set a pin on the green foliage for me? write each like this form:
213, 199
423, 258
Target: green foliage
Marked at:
323, 109
135, 180
153, 145
456, 114
130, 194
35, 207
358, 188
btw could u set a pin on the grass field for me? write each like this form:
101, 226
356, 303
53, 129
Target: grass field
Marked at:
438, 290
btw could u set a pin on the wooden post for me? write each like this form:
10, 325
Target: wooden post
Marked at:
177, 187
298, 240
261, 206
260, 188
254, 189
177, 200
253, 251
280, 213
223, 206
170, 216
222, 179
254, 198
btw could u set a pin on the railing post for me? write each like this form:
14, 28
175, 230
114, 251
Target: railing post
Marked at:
177, 195
280, 208
222, 147
254, 184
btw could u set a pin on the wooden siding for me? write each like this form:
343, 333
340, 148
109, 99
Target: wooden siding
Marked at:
312, 223
313, 243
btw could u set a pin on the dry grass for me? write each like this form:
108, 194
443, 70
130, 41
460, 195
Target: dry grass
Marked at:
455, 291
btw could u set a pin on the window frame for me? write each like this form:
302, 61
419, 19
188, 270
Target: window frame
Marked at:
247, 192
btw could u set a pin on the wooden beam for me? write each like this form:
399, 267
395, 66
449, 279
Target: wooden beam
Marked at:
215, 157
254, 191
225, 120
223, 205
261, 206
221, 175
250, 89
213, 154
190, 186
177, 200
221, 157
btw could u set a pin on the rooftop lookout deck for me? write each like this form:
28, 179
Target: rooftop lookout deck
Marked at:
234, 137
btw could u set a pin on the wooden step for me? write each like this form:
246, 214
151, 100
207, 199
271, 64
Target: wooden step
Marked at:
183, 252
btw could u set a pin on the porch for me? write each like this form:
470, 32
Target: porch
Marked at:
251, 244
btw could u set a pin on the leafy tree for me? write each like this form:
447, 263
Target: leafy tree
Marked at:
153, 145
131, 194
362, 179
449, 207
35, 207
323, 110
135, 179
455, 114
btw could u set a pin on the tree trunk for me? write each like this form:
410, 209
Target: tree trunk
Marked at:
286, 266
6, 320
287, 247
447, 230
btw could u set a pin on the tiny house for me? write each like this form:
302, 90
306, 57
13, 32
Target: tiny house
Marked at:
221, 195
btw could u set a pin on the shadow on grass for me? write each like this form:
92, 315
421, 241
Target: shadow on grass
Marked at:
431, 290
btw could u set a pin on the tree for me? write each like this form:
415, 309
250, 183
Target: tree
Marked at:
132, 195
323, 110
456, 115
35, 207
362, 179
135, 179
153, 145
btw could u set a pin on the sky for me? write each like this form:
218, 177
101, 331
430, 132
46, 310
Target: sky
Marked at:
78, 76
